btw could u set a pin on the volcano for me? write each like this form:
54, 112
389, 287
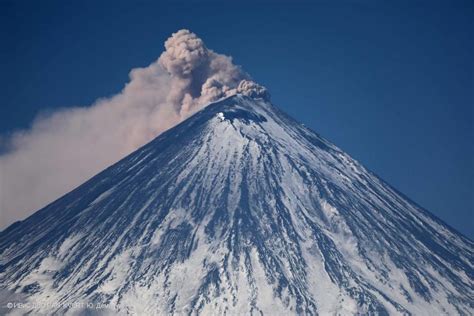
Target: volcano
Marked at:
237, 210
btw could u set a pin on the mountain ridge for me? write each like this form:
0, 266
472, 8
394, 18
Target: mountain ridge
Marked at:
239, 209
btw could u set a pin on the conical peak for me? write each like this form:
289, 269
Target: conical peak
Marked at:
241, 107
252, 118
237, 107
237, 114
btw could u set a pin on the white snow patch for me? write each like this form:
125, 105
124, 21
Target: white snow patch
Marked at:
221, 116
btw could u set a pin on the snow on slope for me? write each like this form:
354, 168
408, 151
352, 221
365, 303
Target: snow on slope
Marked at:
238, 210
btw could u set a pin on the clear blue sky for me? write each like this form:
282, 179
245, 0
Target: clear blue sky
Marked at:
390, 84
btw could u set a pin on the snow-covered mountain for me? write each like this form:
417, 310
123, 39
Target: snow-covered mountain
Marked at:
237, 210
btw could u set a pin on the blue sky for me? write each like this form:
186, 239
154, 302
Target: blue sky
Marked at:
392, 85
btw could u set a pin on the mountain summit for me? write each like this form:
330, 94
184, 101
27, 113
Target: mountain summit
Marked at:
238, 210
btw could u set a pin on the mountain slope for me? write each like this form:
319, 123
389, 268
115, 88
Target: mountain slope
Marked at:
239, 209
